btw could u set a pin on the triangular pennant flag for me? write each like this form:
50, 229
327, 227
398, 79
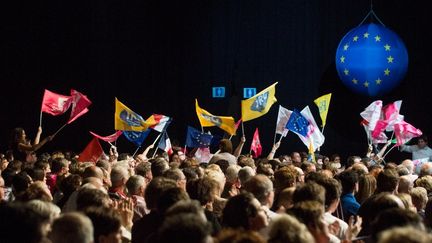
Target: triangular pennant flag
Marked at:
110, 138
256, 144
80, 102
92, 152
55, 104
323, 104
259, 104
206, 119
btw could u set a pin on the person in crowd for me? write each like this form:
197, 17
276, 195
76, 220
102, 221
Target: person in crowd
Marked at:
72, 227
419, 151
225, 153
349, 181
136, 185
21, 147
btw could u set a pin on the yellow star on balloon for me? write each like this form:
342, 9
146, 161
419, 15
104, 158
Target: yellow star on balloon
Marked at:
346, 71
366, 84
366, 35
342, 59
377, 38
355, 81
387, 72
346, 47
390, 59
355, 38
387, 47
378, 81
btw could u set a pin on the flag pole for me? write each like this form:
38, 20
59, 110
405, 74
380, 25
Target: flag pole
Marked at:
153, 144
59, 130
40, 119
242, 128
136, 151
388, 151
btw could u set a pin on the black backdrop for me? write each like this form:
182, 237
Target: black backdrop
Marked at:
158, 56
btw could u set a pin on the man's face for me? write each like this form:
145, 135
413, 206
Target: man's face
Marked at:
421, 143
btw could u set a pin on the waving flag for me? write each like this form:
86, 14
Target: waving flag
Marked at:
165, 143
160, 122
323, 104
282, 119
405, 132
203, 155
256, 144
298, 123
206, 119
136, 137
55, 104
127, 120
80, 102
110, 138
372, 114
259, 104
389, 116
92, 152
195, 138
314, 136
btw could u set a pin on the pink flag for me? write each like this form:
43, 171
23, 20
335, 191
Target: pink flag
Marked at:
372, 114
55, 104
256, 145
80, 103
92, 152
110, 138
203, 155
404, 132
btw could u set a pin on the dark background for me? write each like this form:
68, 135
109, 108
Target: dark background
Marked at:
158, 56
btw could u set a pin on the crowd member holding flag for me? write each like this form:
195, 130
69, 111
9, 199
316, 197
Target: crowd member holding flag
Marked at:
225, 147
21, 147
419, 151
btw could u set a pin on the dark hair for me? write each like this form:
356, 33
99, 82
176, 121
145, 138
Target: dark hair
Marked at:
105, 221
309, 191
348, 180
57, 165
387, 180
155, 189
169, 197
184, 227
225, 145
190, 174
143, 168
91, 198
238, 210
158, 166
202, 189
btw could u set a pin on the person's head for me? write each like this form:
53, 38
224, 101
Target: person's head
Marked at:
136, 185
178, 176
184, 228
422, 141
204, 190
404, 234
106, 223
47, 210
287, 229
59, 166
71, 228
88, 197
225, 145
245, 174
144, 169
352, 160
119, 176
158, 166
262, 188
333, 190
309, 191
409, 164
155, 189
296, 158
387, 181
284, 177
93, 171
419, 198
425, 182
349, 181
246, 161
20, 183
37, 190
169, 197
285, 198
405, 184
232, 173
18, 136
244, 211
367, 187
217, 176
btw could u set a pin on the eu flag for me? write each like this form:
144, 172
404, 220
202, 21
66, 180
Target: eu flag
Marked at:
298, 123
195, 138
136, 137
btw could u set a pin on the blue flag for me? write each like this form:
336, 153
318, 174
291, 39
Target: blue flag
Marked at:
298, 123
194, 138
136, 137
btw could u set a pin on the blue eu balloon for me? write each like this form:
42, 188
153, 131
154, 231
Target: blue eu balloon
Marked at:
371, 60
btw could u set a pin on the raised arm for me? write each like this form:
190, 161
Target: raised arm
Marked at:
38, 134
239, 147
270, 156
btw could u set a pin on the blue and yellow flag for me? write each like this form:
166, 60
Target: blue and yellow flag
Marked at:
259, 104
206, 119
127, 120
323, 104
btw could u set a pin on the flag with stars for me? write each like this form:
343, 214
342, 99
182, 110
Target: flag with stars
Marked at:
371, 59
298, 123
197, 139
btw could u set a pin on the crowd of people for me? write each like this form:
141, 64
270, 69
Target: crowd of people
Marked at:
292, 197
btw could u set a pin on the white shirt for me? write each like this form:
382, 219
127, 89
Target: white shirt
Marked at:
418, 153
330, 219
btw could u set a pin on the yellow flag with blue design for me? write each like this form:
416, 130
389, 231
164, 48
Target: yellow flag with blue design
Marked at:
127, 120
259, 104
206, 119
323, 104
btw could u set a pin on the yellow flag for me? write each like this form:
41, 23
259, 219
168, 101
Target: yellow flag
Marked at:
323, 104
206, 119
259, 104
311, 154
127, 120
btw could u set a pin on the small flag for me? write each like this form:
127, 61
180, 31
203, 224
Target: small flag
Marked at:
206, 119
282, 119
161, 122
80, 102
194, 138
298, 123
256, 144
203, 155
404, 132
55, 104
259, 104
323, 104
136, 137
372, 114
314, 135
92, 152
110, 138
165, 143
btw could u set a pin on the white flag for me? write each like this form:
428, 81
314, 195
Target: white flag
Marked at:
282, 119
314, 136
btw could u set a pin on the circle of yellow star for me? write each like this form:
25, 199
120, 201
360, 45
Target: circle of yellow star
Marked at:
355, 38
390, 59
342, 59
346, 71
366, 84
355, 81
387, 47
378, 81
377, 38
387, 72
366, 35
